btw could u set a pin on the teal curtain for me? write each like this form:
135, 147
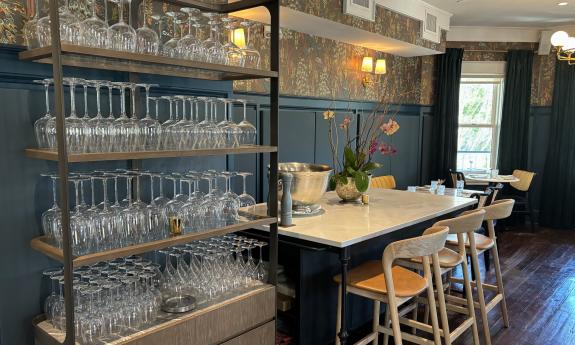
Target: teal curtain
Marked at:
514, 135
445, 117
558, 189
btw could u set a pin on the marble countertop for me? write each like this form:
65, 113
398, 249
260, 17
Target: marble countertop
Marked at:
343, 225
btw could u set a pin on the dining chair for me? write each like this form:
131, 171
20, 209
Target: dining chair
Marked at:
449, 260
522, 200
456, 176
477, 244
384, 182
382, 281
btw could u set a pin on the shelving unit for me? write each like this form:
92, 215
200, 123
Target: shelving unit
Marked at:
188, 327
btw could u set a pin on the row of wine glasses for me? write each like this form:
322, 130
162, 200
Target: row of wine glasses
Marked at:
105, 224
231, 48
144, 132
117, 298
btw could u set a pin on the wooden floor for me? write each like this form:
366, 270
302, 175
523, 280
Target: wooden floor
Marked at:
539, 278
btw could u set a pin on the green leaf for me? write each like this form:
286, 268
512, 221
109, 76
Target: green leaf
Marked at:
361, 159
370, 166
342, 179
349, 157
361, 181
350, 171
333, 182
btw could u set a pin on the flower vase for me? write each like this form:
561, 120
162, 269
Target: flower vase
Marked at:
348, 192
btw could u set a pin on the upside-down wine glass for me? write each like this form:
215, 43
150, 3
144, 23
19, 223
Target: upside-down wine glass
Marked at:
147, 40
150, 128
94, 32
249, 131
234, 55
41, 125
188, 45
51, 218
121, 36
30, 28
170, 48
74, 124
246, 200
251, 55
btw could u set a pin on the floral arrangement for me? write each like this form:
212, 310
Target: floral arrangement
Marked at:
361, 146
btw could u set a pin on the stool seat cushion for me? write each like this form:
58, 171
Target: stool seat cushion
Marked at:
482, 242
369, 276
447, 258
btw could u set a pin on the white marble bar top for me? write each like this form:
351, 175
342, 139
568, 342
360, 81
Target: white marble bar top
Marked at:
343, 225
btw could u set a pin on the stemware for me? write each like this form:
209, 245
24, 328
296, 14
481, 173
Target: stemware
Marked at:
94, 31
170, 48
188, 46
234, 55
150, 128
30, 28
251, 55
147, 40
121, 36
99, 127
248, 130
246, 200
44, 139
230, 131
51, 218
75, 129
125, 131
215, 50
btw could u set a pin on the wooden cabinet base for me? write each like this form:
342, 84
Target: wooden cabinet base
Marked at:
247, 316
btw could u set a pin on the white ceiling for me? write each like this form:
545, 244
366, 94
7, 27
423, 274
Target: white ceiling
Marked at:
508, 13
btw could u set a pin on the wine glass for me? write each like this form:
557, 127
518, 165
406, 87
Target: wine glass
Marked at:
246, 200
231, 131
74, 124
51, 218
43, 138
147, 40
69, 27
188, 45
30, 28
170, 48
124, 137
99, 126
215, 52
249, 131
94, 32
151, 128
234, 55
251, 55
121, 36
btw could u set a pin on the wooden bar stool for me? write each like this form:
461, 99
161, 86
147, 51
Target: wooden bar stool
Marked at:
384, 182
381, 281
459, 227
478, 244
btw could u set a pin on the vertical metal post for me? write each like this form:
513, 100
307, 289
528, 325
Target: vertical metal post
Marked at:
344, 260
62, 169
274, 9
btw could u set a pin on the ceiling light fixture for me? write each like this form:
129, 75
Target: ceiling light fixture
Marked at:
563, 4
565, 46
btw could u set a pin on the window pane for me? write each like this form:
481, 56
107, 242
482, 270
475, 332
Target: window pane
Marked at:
476, 103
474, 148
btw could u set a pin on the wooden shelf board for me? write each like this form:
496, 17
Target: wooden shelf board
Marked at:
222, 8
52, 155
106, 59
41, 245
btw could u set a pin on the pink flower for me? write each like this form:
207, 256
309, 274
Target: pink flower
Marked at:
390, 127
387, 150
345, 123
372, 146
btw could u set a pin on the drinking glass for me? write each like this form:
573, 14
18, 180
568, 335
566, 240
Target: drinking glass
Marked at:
69, 27
246, 200
30, 28
41, 126
248, 130
251, 55
215, 52
99, 127
136, 136
150, 128
94, 31
147, 40
234, 55
124, 126
231, 132
188, 46
121, 36
51, 218
230, 200
170, 48
167, 139
74, 125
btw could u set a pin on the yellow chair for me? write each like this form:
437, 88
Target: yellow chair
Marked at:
384, 182
523, 201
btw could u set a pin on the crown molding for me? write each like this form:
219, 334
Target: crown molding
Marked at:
494, 34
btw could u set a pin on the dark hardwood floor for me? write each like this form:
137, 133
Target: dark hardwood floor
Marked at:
539, 279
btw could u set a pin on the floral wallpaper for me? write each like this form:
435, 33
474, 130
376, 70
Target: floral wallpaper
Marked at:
318, 67
543, 65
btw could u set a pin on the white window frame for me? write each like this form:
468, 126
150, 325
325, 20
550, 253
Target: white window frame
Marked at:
495, 123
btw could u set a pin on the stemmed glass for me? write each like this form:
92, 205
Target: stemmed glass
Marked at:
74, 124
43, 137
170, 48
121, 36
230, 200
94, 30
249, 131
246, 200
215, 51
231, 132
51, 218
251, 55
234, 55
99, 126
150, 128
147, 40
30, 28
79, 225
167, 139
134, 122
189, 44
124, 138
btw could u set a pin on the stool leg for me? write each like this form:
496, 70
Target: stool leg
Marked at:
414, 317
376, 311
441, 301
338, 318
386, 323
480, 295
503, 303
470, 302
431, 302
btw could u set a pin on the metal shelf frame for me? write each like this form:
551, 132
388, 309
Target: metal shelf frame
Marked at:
57, 56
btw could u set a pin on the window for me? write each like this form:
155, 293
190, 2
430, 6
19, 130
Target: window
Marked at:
479, 121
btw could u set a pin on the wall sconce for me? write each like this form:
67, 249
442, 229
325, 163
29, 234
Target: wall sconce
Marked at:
367, 66
565, 46
239, 38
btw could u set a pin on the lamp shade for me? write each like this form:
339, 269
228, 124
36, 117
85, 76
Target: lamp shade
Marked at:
367, 64
239, 38
380, 66
559, 38
569, 44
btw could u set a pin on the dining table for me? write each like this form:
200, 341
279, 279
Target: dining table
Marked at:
342, 225
489, 179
